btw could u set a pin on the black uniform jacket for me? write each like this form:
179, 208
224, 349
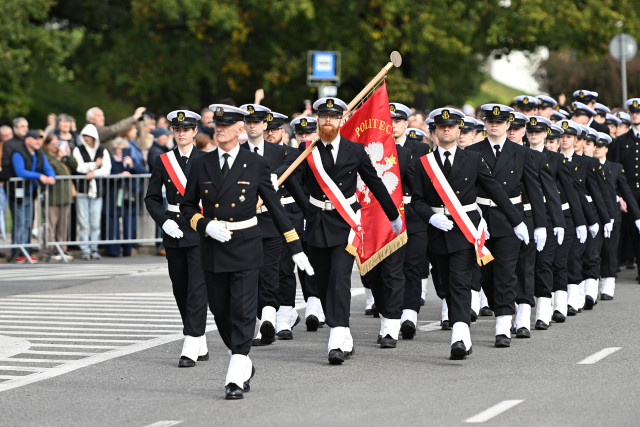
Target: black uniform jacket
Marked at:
625, 149
516, 172
415, 224
584, 170
153, 201
617, 181
327, 228
549, 189
233, 199
469, 175
567, 183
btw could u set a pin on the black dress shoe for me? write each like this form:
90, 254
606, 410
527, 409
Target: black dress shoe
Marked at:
523, 333
321, 325
297, 321
422, 301
379, 339
312, 323
513, 329
459, 351
233, 392
285, 335
474, 315
185, 362
368, 312
388, 342
261, 342
558, 317
541, 326
572, 311
503, 341
444, 325
203, 358
408, 330
247, 386
336, 357
588, 303
486, 312
375, 311
268, 332
348, 354
605, 297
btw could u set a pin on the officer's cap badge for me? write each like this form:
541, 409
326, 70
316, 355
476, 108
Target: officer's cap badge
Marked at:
445, 114
525, 100
635, 103
329, 103
304, 123
219, 111
461, 122
412, 134
533, 121
392, 108
269, 117
250, 109
581, 94
565, 125
496, 111
181, 116
512, 117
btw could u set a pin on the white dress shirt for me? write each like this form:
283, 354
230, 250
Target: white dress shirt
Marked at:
232, 155
260, 148
450, 150
336, 145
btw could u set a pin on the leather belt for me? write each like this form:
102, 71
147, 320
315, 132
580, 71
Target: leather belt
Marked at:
491, 204
173, 208
445, 211
406, 199
240, 225
283, 201
327, 205
527, 206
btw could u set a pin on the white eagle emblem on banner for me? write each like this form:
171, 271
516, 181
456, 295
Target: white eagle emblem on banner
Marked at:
382, 165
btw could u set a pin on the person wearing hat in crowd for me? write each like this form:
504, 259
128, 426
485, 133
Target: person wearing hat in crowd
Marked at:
616, 180
465, 173
30, 163
552, 142
535, 269
558, 115
546, 106
525, 104
161, 140
516, 131
261, 122
481, 132
612, 122
584, 109
467, 132
431, 127
182, 244
228, 182
625, 124
512, 165
601, 113
338, 161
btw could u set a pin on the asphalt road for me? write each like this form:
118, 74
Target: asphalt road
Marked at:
538, 381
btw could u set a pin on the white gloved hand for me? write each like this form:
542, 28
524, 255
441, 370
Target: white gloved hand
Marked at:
216, 231
487, 236
607, 228
581, 233
522, 232
396, 225
540, 237
171, 228
274, 181
302, 262
637, 223
593, 229
441, 222
559, 233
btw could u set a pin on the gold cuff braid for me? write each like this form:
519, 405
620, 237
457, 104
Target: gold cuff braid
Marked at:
194, 221
291, 236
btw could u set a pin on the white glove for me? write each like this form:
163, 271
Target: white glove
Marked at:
396, 225
171, 228
441, 222
274, 181
559, 232
302, 262
581, 233
487, 236
521, 232
540, 237
607, 228
216, 230
593, 229
637, 223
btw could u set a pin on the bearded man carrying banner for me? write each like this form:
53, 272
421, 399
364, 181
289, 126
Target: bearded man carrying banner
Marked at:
330, 174
445, 191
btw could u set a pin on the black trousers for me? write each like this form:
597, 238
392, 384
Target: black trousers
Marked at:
414, 264
561, 257
189, 289
609, 255
454, 276
499, 279
387, 283
287, 283
525, 269
544, 268
233, 298
628, 245
591, 257
332, 282
574, 262
269, 274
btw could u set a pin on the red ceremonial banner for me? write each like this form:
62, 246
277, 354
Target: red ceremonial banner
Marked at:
371, 125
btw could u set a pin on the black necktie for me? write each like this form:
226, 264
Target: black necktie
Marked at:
185, 159
447, 164
225, 165
255, 150
330, 158
497, 148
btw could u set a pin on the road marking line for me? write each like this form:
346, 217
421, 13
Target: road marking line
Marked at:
167, 423
22, 360
128, 319
126, 325
114, 310
8, 377
100, 347
54, 304
430, 326
62, 353
122, 340
37, 328
21, 368
75, 334
598, 356
81, 313
495, 410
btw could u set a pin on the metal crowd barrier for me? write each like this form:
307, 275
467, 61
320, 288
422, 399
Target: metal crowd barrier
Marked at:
114, 204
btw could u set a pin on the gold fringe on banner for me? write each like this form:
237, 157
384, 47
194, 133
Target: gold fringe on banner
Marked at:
384, 252
484, 260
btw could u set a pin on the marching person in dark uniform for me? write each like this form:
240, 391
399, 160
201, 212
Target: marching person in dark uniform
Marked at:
339, 161
229, 181
525, 104
516, 131
181, 243
546, 106
584, 109
535, 264
617, 181
450, 252
512, 165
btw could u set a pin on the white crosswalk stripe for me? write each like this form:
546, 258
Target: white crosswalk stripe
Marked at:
79, 270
